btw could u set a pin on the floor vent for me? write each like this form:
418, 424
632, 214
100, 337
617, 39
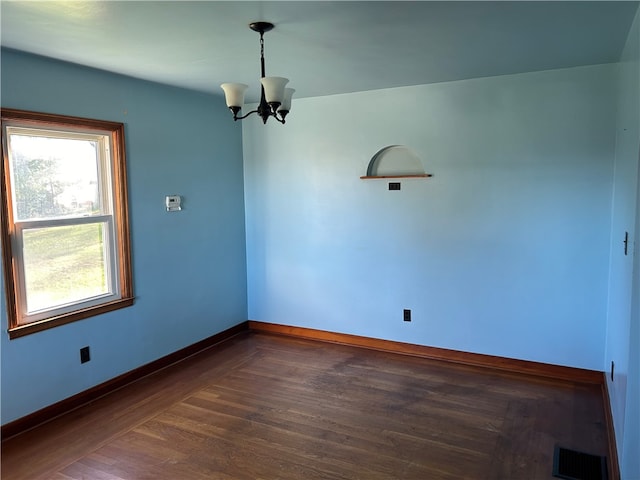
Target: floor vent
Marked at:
572, 465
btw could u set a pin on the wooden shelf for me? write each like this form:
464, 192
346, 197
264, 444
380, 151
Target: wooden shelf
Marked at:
420, 175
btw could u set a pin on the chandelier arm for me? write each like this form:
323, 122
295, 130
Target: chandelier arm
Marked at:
279, 118
235, 117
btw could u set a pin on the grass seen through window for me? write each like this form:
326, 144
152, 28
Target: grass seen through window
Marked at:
64, 264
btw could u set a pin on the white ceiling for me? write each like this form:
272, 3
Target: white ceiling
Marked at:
322, 47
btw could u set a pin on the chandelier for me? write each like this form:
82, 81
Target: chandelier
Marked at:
275, 99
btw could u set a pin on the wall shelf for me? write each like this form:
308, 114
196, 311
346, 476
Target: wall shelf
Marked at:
421, 175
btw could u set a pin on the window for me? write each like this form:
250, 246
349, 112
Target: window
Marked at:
65, 233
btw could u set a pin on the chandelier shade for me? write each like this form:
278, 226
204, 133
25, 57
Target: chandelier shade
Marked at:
274, 89
286, 102
275, 99
234, 93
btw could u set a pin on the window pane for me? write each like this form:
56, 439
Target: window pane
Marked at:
54, 177
64, 264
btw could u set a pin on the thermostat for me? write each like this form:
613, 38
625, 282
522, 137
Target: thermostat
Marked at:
173, 203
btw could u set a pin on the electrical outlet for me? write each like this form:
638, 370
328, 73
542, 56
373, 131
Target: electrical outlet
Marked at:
612, 367
407, 315
85, 356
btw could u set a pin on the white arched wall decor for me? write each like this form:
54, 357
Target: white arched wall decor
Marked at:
395, 161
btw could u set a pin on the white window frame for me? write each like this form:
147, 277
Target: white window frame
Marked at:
114, 215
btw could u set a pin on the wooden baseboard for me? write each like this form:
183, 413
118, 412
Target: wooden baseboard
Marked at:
64, 406
612, 462
506, 364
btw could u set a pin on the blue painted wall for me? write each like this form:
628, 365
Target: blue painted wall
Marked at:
630, 446
505, 251
622, 340
189, 267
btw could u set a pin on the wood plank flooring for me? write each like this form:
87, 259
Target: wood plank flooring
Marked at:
267, 407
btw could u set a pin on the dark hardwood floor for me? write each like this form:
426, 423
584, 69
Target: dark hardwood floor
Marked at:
267, 407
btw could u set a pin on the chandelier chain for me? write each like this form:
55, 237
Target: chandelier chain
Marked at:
261, 46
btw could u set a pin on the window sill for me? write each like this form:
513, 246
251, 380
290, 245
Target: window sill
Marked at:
28, 329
